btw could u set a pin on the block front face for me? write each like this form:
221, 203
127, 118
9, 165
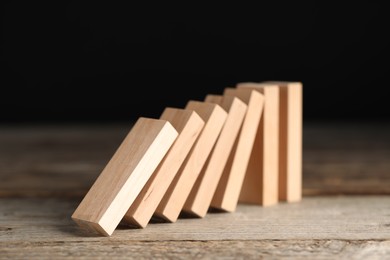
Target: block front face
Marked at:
229, 187
203, 191
189, 125
177, 193
125, 175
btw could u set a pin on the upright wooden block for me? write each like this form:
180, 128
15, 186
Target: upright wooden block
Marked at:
229, 187
290, 140
125, 175
261, 180
174, 199
189, 125
203, 191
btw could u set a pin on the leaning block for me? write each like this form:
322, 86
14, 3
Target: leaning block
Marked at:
174, 199
125, 175
202, 193
290, 140
189, 125
229, 187
216, 99
261, 180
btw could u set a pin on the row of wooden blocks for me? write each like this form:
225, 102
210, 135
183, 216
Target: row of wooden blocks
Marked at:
244, 146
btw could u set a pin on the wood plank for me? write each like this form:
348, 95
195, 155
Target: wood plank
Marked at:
261, 179
55, 160
203, 191
329, 217
189, 125
230, 249
63, 161
290, 140
122, 179
174, 199
228, 190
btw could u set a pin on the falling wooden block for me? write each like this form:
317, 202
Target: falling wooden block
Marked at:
290, 140
216, 99
261, 179
227, 194
125, 175
202, 193
174, 199
189, 125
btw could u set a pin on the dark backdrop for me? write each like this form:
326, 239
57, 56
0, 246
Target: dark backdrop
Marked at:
106, 62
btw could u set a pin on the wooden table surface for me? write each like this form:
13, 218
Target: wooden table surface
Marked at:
345, 213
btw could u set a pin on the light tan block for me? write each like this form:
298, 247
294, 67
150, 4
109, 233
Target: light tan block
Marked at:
261, 180
125, 175
229, 187
174, 199
203, 191
189, 125
290, 141
216, 99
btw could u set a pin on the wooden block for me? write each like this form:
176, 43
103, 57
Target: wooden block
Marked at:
189, 125
125, 175
203, 191
228, 190
290, 140
261, 180
216, 99
174, 199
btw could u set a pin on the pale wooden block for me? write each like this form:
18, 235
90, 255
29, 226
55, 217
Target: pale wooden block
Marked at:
203, 191
229, 187
189, 125
290, 140
174, 199
261, 180
216, 99
124, 176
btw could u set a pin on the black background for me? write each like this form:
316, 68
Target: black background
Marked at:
71, 61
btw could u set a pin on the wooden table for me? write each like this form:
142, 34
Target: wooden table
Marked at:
46, 170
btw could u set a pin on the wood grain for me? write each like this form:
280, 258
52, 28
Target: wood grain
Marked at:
177, 193
189, 125
228, 190
45, 170
204, 188
331, 226
326, 217
229, 249
122, 179
261, 179
63, 161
